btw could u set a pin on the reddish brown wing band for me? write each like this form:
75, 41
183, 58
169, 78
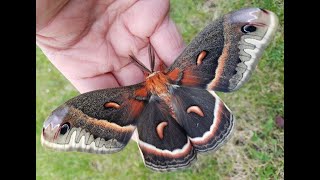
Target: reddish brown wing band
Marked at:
202, 123
166, 149
100, 121
224, 54
175, 113
210, 124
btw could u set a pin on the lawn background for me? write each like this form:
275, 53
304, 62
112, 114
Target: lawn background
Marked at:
255, 150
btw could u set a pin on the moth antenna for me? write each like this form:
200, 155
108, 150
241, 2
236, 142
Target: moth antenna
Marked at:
139, 64
151, 57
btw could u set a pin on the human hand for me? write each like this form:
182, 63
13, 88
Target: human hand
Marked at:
90, 41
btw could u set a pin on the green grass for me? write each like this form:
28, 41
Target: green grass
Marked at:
255, 150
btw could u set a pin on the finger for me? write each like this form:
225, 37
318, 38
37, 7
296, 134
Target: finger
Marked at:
167, 41
145, 16
131, 34
129, 75
46, 10
86, 69
151, 20
94, 83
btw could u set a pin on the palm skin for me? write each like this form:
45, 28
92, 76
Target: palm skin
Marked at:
90, 41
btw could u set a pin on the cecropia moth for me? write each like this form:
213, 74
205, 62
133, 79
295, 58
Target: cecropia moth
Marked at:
175, 112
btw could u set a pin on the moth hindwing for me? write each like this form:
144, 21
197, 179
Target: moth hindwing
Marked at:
175, 113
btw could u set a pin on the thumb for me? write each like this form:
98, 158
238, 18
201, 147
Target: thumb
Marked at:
167, 41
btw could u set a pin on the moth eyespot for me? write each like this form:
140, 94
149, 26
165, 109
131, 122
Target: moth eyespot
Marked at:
248, 28
64, 128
